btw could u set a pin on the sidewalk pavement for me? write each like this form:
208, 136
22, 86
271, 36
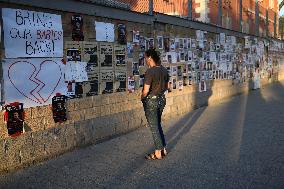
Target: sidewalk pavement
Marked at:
236, 144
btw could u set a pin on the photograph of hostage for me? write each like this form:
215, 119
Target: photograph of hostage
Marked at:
156, 82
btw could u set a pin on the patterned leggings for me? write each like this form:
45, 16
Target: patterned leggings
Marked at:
153, 107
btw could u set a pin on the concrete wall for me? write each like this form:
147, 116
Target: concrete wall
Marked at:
98, 118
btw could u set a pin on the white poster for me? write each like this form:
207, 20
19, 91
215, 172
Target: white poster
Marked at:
136, 37
104, 31
33, 81
32, 34
222, 38
131, 84
76, 71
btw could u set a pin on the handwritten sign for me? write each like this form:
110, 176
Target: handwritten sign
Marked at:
32, 34
33, 81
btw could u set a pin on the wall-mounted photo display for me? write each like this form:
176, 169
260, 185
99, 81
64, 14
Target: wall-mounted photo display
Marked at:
189, 67
141, 81
173, 83
185, 69
212, 46
106, 82
190, 56
223, 57
70, 89
177, 54
160, 40
59, 108
179, 72
137, 82
214, 74
177, 46
185, 80
196, 65
168, 69
212, 56
172, 44
194, 77
180, 85
135, 68
219, 74
142, 43
151, 43
104, 31
218, 47
74, 55
247, 42
186, 56
135, 36
204, 56
90, 54
130, 50
210, 75
185, 43
76, 71
169, 57
106, 55
182, 56
173, 57
189, 43
77, 28
199, 35
198, 76
131, 84
181, 43
73, 50
207, 46
91, 87
210, 65
141, 59
164, 57
206, 75
190, 82
120, 81
79, 92
222, 38
167, 44
226, 47
193, 44
14, 118
202, 65
120, 56
121, 34
202, 86
200, 45
173, 71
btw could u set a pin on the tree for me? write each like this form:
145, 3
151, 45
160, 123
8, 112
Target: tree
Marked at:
281, 27
281, 4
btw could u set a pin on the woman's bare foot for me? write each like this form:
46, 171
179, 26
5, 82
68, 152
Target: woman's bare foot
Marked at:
158, 154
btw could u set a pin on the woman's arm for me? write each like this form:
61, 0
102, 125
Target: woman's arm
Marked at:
145, 91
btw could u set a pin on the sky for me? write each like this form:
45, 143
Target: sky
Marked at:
282, 10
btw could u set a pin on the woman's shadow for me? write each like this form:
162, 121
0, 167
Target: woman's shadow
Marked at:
184, 124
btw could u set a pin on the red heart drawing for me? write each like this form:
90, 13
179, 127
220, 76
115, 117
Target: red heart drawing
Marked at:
35, 82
